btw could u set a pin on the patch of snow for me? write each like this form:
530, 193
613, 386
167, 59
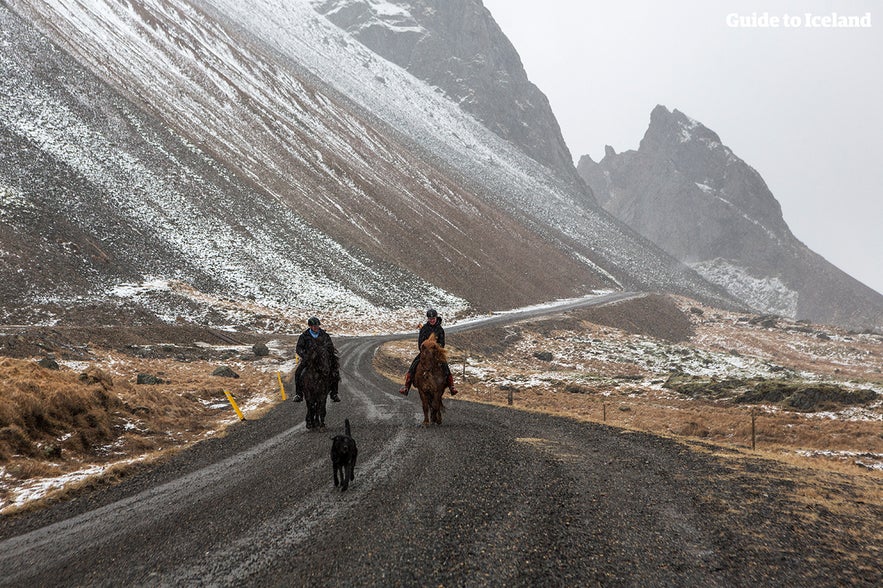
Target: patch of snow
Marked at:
873, 461
705, 188
38, 488
767, 295
686, 129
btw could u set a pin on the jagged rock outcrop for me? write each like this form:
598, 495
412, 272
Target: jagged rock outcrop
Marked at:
457, 46
687, 192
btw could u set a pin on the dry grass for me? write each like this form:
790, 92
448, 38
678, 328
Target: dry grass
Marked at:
595, 377
54, 422
608, 366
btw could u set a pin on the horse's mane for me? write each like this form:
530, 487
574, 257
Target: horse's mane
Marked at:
431, 345
317, 350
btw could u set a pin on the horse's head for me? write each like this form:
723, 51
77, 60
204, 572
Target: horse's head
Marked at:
318, 358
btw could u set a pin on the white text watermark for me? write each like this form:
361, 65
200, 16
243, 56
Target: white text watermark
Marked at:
806, 20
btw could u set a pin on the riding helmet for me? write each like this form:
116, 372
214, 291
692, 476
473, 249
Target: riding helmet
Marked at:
313, 322
431, 313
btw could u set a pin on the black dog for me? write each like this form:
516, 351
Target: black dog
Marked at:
343, 457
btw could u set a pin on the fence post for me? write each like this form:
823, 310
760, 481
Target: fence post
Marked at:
510, 396
753, 430
604, 407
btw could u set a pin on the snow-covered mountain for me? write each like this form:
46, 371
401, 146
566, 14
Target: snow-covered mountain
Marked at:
168, 156
456, 46
690, 194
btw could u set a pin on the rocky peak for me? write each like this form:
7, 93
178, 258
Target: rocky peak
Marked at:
674, 129
696, 152
457, 46
690, 194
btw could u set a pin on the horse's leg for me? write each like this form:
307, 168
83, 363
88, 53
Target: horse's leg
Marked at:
322, 403
436, 409
424, 400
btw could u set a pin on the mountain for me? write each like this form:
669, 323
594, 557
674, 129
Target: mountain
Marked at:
457, 47
225, 162
688, 193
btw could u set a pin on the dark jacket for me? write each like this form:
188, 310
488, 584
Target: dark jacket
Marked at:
426, 330
306, 340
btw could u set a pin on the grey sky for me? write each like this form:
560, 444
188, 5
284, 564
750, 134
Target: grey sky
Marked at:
803, 106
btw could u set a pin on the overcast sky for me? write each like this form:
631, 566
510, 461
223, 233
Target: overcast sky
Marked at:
802, 105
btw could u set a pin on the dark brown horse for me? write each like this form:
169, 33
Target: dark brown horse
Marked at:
430, 379
319, 368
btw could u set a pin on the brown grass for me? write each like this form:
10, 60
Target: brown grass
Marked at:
57, 421
54, 422
623, 395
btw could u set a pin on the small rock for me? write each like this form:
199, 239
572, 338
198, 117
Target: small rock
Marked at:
260, 349
48, 363
149, 379
225, 372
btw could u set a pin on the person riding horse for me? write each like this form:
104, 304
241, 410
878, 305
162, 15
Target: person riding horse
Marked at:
432, 325
314, 335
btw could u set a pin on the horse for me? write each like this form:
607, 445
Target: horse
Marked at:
430, 379
319, 369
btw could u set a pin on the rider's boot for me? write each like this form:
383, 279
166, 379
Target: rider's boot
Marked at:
451, 384
404, 389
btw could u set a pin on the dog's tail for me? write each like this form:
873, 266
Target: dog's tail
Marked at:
346, 426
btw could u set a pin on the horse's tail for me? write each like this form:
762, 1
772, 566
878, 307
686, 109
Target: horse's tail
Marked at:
346, 427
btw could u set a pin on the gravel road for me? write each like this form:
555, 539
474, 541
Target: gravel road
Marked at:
494, 496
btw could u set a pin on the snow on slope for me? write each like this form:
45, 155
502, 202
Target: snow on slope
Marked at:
217, 233
271, 95
509, 178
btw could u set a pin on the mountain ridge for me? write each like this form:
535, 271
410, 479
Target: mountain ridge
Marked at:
691, 195
324, 138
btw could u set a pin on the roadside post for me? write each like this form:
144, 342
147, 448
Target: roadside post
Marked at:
753, 436
235, 407
281, 385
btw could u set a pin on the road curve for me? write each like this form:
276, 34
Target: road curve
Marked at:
493, 497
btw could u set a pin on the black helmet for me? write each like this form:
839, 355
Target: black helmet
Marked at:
313, 322
431, 313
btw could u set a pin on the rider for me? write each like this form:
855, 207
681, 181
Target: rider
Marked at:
314, 335
432, 325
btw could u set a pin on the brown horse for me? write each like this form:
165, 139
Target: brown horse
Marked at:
430, 379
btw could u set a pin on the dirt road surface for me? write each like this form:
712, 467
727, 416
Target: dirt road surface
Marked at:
494, 496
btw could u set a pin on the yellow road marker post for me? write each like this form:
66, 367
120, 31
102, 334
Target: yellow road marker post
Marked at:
281, 386
235, 407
